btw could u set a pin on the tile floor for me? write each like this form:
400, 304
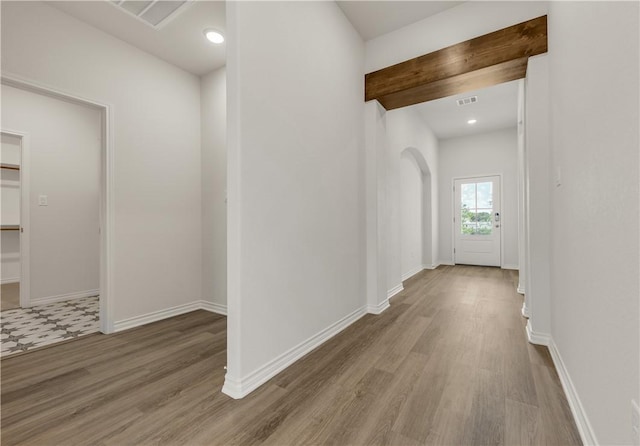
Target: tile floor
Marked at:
28, 328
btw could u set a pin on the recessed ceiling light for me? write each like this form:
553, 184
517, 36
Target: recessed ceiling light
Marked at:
471, 121
213, 36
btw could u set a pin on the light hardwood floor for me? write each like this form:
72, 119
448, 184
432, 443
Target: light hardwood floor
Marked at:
447, 364
9, 296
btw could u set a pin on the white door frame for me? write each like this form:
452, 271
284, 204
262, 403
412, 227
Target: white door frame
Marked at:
25, 300
453, 213
106, 190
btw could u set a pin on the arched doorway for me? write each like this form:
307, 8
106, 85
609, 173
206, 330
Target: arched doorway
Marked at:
416, 213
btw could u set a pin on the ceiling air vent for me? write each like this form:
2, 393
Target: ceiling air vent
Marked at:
467, 101
155, 13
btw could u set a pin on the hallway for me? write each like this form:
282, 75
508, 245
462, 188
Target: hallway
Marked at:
448, 363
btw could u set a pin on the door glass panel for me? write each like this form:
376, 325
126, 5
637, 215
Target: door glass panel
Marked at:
484, 221
469, 195
476, 208
485, 195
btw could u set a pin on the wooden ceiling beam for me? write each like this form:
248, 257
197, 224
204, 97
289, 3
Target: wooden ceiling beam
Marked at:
474, 80
484, 61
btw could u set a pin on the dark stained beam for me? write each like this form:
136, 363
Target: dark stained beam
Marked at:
474, 80
453, 66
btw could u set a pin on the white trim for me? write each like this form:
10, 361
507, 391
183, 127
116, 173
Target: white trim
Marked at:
412, 273
155, 316
213, 307
63, 297
520, 289
453, 213
587, 434
25, 219
510, 266
25, 157
106, 190
10, 280
537, 338
239, 388
433, 266
378, 309
446, 263
159, 315
393, 291
525, 310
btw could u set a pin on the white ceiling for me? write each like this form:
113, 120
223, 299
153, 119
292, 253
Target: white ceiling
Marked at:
497, 108
180, 42
375, 18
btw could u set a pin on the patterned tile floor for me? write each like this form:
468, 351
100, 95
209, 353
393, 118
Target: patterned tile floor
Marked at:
28, 328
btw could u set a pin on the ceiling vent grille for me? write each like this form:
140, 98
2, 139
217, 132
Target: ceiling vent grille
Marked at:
467, 101
155, 13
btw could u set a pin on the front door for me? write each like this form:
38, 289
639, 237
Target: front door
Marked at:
477, 221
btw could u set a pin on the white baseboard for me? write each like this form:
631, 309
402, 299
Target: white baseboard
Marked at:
525, 310
378, 309
579, 415
433, 266
587, 434
446, 262
537, 338
395, 290
10, 280
411, 273
159, 315
520, 289
213, 307
62, 297
239, 388
155, 316
510, 266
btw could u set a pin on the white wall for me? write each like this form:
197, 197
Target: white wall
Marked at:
594, 250
537, 200
10, 214
156, 142
522, 193
10, 257
455, 25
376, 217
411, 237
64, 165
296, 186
11, 151
213, 117
406, 129
493, 153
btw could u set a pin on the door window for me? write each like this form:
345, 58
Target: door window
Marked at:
476, 208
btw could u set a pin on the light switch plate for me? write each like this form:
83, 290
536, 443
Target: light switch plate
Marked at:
43, 200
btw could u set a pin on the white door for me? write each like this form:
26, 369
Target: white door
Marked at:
477, 221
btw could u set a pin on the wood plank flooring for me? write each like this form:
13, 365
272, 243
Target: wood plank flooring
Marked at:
9, 296
447, 364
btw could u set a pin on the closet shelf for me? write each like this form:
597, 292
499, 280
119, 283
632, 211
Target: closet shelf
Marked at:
10, 166
10, 227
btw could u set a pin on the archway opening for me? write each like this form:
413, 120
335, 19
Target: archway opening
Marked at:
416, 213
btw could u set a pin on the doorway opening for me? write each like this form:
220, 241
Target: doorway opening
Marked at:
11, 175
55, 217
477, 221
416, 219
